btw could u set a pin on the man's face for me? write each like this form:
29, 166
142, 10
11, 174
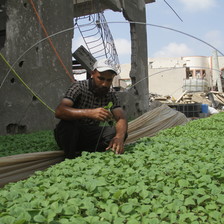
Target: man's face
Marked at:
102, 82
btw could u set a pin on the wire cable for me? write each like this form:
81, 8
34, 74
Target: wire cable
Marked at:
50, 41
112, 22
21, 80
127, 22
173, 10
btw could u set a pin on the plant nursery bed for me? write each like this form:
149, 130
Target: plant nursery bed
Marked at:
174, 177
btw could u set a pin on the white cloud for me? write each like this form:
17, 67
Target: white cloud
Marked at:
174, 50
198, 5
123, 46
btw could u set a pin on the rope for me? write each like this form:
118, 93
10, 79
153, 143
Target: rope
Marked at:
50, 41
21, 80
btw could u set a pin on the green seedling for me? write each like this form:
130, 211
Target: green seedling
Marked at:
110, 122
173, 177
109, 105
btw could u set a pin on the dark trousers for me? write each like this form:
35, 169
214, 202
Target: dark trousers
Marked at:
73, 137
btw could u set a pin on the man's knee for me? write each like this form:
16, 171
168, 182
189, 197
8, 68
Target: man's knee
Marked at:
66, 135
108, 134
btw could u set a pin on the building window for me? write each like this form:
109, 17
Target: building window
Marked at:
198, 74
222, 73
124, 83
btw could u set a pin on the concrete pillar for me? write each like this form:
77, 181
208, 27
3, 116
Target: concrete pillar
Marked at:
216, 72
39, 67
138, 96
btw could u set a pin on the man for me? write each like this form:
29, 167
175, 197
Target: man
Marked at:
82, 110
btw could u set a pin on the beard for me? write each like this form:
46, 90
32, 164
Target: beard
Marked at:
100, 91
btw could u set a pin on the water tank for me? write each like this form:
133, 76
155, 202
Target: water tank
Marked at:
196, 85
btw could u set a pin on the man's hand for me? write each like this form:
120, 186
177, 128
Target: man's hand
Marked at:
101, 114
66, 111
116, 145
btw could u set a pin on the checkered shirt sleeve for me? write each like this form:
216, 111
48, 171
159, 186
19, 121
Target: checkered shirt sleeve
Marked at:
83, 98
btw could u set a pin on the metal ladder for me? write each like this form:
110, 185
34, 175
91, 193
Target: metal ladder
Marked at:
97, 37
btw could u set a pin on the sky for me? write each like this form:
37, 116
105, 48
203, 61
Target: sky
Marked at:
201, 19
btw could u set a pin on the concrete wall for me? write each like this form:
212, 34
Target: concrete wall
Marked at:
39, 68
167, 82
162, 81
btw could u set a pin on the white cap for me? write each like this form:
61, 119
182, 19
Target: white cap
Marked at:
105, 65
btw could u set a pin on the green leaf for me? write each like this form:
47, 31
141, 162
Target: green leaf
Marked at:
144, 209
183, 183
187, 192
211, 206
52, 190
117, 194
28, 197
131, 189
24, 216
113, 208
175, 205
144, 193
215, 215
220, 198
110, 104
39, 218
7, 219
106, 215
105, 194
200, 191
205, 178
152, 215
63, 221
189, 201
69, 210
202, 199
119, 220
187, 217
167, 190
154, 221
126, 208
173, 217
20, 221
132, 221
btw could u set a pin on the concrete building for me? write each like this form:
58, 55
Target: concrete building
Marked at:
172, 76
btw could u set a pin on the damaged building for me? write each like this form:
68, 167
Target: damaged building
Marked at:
36, 65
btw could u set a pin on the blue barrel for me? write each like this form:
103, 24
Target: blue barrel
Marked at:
204, 108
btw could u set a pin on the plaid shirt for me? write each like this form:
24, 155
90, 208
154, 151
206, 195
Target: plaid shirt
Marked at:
81, 93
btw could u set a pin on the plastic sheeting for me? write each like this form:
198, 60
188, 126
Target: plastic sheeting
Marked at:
18, 167
153, 121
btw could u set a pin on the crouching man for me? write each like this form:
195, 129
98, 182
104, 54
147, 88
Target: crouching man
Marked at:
85, 106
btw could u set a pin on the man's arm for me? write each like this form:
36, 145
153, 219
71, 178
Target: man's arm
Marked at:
117, 143
65, 111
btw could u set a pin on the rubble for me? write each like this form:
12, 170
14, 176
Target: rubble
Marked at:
191, 103
210, 98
